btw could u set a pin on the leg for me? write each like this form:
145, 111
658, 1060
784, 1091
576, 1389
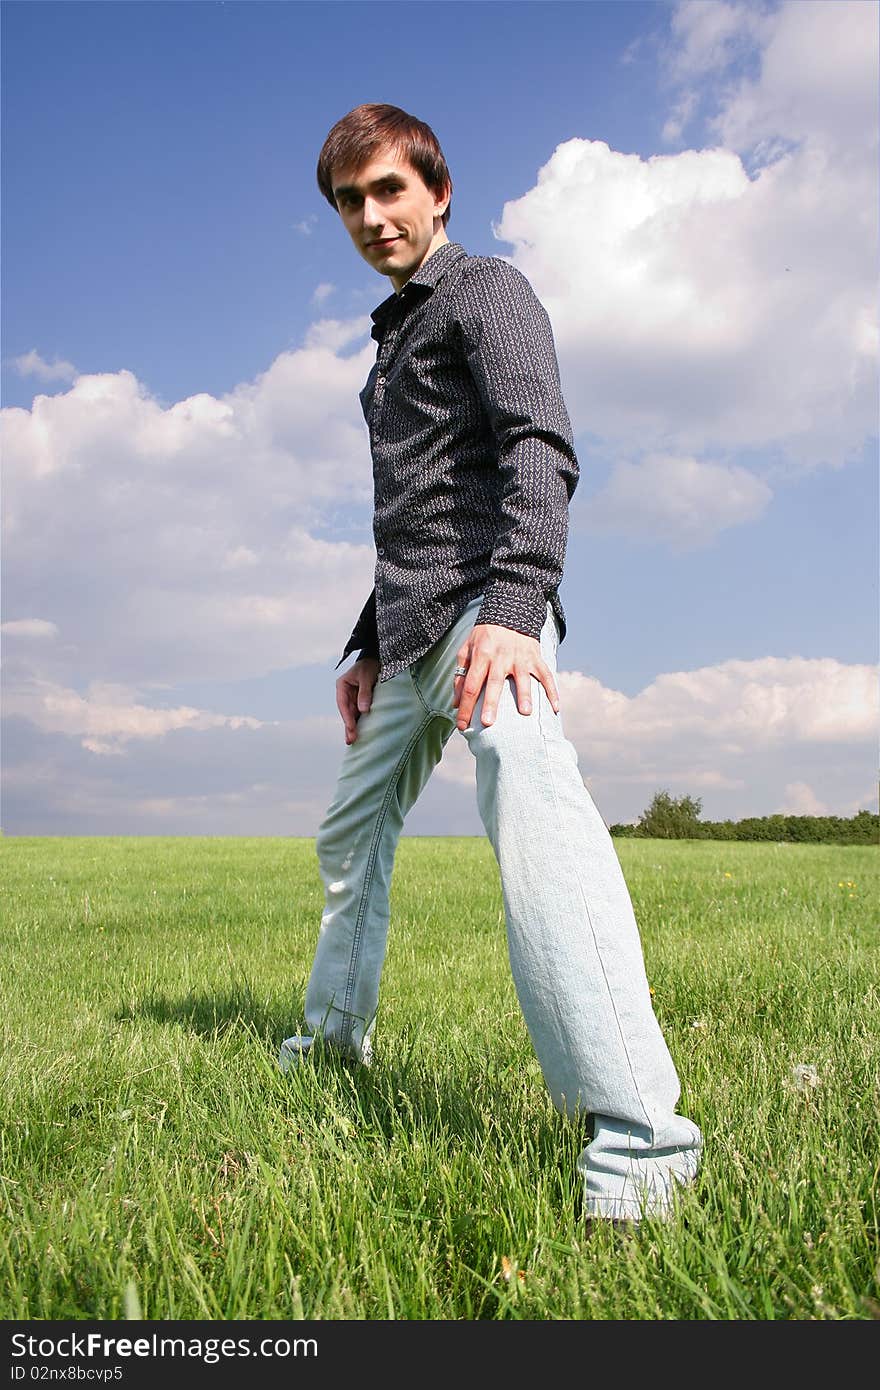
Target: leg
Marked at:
576, 958
398, 745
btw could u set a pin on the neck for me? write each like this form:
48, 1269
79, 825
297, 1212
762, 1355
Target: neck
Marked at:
438, 239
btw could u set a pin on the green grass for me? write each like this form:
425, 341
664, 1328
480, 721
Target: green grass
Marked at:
149, 1141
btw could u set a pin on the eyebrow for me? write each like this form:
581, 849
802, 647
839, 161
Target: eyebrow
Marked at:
344, 188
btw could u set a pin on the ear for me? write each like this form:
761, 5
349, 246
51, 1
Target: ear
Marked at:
442, 201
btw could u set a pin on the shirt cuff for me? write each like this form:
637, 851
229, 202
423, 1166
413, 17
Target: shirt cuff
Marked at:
371, 651
508, 605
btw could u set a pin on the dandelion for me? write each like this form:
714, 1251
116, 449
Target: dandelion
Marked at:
727, 874
805, 1076
507, 1270
651, 991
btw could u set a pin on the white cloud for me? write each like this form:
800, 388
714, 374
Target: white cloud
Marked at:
698, 308
747, 737
337, 333
676, 499
709, 35
38, 628
185, 542
735, 706
258, 778
817, 81
799, 799
678, 118
32, 364
107, 717
242, 557
732, 733
322, 292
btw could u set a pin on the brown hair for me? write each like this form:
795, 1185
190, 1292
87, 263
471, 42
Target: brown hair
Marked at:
357, 136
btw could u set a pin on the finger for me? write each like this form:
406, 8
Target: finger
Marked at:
342, 699
345, 704
523, 680
462, 659
365, 695
545, 676
494, 686
458, 689
469, 690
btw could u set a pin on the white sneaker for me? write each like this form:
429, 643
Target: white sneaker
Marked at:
294, 1051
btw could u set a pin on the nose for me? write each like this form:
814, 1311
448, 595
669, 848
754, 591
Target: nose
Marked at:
373, 214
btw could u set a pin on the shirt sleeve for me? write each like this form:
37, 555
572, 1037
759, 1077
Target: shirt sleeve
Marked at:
365, 633
511, 355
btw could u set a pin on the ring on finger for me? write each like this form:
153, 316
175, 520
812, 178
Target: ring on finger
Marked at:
460, 671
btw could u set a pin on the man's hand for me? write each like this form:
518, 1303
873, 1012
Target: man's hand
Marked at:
491, 654
354, 693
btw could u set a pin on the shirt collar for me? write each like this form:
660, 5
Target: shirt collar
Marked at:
426, 278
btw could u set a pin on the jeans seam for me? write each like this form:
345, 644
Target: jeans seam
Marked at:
586, 904
432, 713
348, 1018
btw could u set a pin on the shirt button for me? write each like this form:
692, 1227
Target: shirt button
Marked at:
380, 550
381, 380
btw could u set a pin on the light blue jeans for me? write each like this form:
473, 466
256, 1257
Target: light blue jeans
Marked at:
574, 946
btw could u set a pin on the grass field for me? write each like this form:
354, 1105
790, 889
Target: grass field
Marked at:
154, 1157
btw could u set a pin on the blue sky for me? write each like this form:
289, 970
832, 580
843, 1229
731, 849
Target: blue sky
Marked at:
691, 189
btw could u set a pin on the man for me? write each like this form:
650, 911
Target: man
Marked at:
474, 466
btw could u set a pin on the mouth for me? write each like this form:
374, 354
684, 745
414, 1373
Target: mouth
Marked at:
383, 241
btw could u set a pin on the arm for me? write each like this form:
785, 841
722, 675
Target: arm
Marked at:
508, 342
354, 688
354, 693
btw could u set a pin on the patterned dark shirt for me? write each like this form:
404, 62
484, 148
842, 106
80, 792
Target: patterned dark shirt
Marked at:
473, 458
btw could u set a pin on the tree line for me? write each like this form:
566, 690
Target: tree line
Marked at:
678, 818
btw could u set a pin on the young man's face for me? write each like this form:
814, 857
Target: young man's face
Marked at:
393, 218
